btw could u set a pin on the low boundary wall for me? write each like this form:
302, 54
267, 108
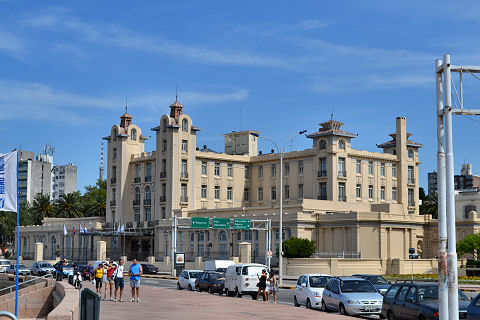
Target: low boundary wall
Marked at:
68, 306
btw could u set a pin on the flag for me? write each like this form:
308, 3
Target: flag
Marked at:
64, 230
73, 230
85, 229
122, 229
118, 229
9, 181
81, 229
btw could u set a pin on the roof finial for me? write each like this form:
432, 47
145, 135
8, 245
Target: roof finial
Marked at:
176, 93
126, 104
331, 116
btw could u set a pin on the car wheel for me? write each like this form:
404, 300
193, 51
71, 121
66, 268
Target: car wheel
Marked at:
295, 301
237, 293
198, 289
342, 310
179, 287
308, 305
210, 290
390, 315
190, 287
254, 297
324, 307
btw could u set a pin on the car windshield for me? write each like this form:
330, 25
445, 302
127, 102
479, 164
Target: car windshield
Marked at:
252, 271
376, 279
195, 274
21, 266
431, 293
45, 265
215, 276
356, 286
318, 281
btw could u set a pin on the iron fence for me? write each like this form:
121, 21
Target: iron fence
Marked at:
343, 254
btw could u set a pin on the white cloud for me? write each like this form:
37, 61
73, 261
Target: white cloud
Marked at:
10, 43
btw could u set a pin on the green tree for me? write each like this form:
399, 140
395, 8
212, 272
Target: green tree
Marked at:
7, 226
421, 194
430, 205
69, 206
94, 200
26, 214
469, 245
42, 207
299, 248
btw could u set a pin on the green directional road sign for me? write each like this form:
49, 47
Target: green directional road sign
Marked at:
243, 224
200, 223
221, 223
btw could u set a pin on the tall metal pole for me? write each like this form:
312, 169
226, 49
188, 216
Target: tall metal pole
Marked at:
174, 243
280, 245
450, 196
442, 214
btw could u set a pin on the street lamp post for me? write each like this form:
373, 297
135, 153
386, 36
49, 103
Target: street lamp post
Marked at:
280, 245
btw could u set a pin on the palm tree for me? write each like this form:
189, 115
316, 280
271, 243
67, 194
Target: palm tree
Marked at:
42, 207
68, 206
430, 205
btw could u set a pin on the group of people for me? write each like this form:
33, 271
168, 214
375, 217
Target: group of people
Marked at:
111, 274
267, 290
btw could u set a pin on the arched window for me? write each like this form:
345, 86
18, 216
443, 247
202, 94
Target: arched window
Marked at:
341, 144
410, 153
185, 125
222, 236
114, 135
133, 134
164, 125
323, 145
137, 195
148, 193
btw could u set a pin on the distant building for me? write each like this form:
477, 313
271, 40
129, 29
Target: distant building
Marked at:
466, 180
64, 180
34, 175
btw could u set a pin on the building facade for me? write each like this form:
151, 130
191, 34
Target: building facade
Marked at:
64, 180
34, 175
466, 180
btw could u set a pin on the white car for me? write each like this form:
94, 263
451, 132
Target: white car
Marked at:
309, 290
4, 265
186, 279
242, 279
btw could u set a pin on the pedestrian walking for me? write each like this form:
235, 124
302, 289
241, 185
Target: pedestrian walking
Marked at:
135, 273
111, 267
273, 287
262, 285
99, 278
104, 280
119, 283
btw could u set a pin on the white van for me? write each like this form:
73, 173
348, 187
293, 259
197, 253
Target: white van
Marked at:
242, 279
4, 265
218, 265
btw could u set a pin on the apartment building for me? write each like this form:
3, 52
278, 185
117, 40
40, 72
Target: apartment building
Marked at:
34, 175
64, 180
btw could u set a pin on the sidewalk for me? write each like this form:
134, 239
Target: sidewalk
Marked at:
161, 303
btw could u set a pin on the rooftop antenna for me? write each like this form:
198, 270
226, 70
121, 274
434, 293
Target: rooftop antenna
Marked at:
240, 118
126, 106
176, 93
101, 164
331, 115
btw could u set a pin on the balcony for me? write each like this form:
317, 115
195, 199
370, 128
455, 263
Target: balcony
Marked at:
163, 175
140, 224
184, 199
322, 173
151, 224
136, 202
411, 203
411, 181
113, 180
148, 179
129, 225
163, 198
147, 202
112, 203
343, 199
184, 175
342, 173
137, 180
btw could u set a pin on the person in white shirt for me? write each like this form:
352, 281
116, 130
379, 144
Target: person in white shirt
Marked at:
119, 283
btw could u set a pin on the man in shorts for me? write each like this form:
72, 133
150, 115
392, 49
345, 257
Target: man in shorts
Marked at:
119, 284
135, 273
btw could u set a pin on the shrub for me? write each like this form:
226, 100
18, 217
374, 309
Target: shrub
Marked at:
299, 248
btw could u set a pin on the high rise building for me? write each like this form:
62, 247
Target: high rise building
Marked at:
64, 180
34, 175
463, 181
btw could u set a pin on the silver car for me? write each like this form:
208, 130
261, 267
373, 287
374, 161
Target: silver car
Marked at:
351, 296
186, 279
42, 268
22, 270
4, 265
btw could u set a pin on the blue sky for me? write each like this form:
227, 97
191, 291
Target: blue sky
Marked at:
272, 66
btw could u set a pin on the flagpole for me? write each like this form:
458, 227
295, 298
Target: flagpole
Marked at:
18, 248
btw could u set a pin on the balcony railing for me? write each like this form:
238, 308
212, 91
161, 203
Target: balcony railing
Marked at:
411, 203
184, 199
148, 179
342, 173
163, 175
163, 198
147, 202
321, 197
184, 175
322, 173
129, 224
113, 180
136, 202
112, 203
411, 180
137, 180
344, 198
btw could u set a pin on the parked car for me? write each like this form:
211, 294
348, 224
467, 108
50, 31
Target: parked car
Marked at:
309, 290
242, 279
85, 270
22, 270
64, 269
4, 265
378, 282
149, 268
473, 310
351, 296
186, 279
42, 268
211, 281
417, 300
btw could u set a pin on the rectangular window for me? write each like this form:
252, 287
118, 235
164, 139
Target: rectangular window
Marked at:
382, 169
300, 191
394, 170
260, 171
138, 171
323, 191
323, 167
370, 192
260, 194
137, 215
273, 193
149, 170
114, 156
341, 167
183, 193
204, 168
164, 190
300, 166
411, 178
341, 192
247, 172
204, 191
229, 170
184, 168
382, 193
359, 166
148, 214
229, 193
411, 201
114, 172
287, 168
287, 192
184, 145
217, 169
164, 213
358, 190
164, 166
274, 170
248, 235
246, 194
164, 145
370, 168
216, 192
394, 193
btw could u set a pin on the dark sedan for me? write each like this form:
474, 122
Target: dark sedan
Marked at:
473, 310
213, 282
378, 282
409, 300
149, 268
85, 270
